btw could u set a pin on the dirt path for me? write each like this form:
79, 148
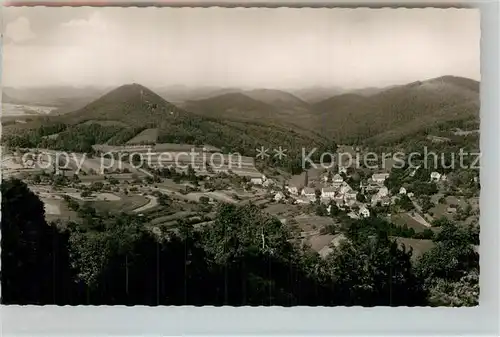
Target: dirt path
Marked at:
153, 202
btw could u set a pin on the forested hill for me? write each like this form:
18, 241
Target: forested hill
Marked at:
398, 111
244, 120
126, 111
131, 104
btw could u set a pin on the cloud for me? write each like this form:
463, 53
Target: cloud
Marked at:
19, 30
94, 22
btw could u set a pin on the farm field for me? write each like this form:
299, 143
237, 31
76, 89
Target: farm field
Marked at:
419, 246
311, 223
318, 242
281, 209
402, 219
57, 210
127, 203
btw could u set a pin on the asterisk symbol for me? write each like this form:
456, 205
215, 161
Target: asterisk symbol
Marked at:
262, 153
280, 153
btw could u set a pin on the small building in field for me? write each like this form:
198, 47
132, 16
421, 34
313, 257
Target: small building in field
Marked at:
256, 181
364, 212
402, 190
379, 178
435, 176
337, 179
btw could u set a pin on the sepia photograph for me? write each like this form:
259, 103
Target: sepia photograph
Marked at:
240, 156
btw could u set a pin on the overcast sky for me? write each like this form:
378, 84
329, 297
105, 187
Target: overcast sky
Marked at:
271, 48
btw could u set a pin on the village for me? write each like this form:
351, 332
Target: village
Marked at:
172, 185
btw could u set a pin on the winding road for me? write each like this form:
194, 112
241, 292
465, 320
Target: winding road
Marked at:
153, 202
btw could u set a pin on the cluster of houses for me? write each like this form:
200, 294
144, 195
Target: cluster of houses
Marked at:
338, 190
341, 193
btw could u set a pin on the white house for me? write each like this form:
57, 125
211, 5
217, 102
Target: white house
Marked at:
364, 212
402, 190
380, 177
342, 169
279, 196
292, 190
337, 179
327, 193
309, 193
256, 181
435, 176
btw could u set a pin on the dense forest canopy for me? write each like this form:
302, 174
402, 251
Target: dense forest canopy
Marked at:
246, 257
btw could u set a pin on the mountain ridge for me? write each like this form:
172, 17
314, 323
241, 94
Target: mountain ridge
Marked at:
353, 116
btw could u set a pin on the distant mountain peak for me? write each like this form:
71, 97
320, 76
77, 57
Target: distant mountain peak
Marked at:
132, 104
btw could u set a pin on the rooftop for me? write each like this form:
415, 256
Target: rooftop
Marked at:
328, 190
